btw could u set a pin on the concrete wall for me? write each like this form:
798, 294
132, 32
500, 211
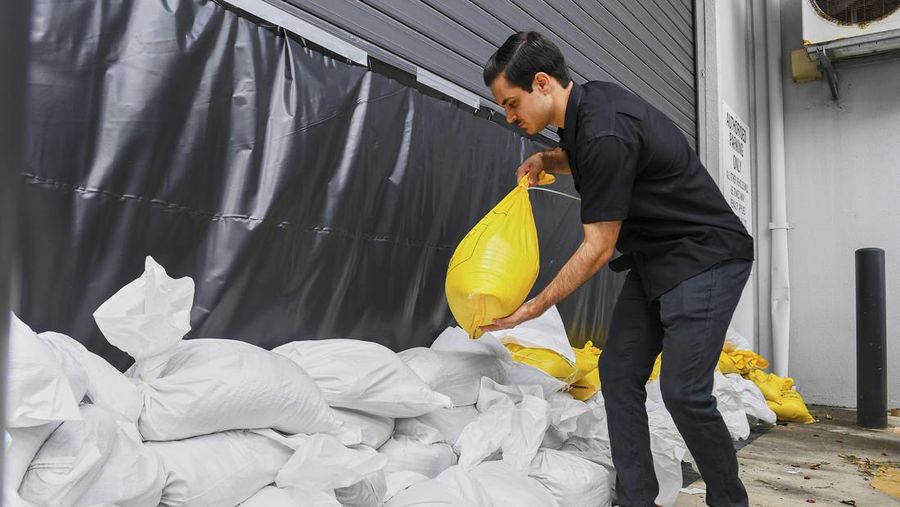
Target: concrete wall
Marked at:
843, 181
734, 62
727, 76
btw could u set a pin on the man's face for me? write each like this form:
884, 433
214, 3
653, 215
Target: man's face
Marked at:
531, 111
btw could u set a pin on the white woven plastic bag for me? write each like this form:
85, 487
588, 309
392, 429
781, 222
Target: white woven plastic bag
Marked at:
455, 374
364, 376
405, 454
454, 487
572, 481
106, 386
148, 317
212, 385
38, 389
98, 460
220, 469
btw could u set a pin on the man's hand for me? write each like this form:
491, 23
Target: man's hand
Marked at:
529, 310
532, 166
596, 249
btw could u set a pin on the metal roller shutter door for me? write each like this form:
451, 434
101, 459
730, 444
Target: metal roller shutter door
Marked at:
648, 47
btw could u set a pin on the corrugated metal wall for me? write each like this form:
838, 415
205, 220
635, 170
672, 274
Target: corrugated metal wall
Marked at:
646, 46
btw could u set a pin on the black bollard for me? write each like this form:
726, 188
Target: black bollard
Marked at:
871, 339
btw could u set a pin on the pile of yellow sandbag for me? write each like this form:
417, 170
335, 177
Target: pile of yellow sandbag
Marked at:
779, 392
583, 377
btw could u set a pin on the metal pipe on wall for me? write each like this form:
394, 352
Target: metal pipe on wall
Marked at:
780, 275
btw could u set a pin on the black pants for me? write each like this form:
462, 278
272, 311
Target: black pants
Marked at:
687, 324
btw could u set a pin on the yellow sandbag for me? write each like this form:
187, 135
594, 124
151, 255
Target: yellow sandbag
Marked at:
791, 408
770, 384
744, 361
657, 366
726, 364
550, 362
736, 361
495, 265
586, 387
585, 361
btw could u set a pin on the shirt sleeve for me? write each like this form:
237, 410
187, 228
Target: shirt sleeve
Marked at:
607, 166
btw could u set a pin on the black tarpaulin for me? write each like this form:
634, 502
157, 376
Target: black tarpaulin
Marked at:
307, 197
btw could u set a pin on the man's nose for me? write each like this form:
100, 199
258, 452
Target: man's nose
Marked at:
510, 117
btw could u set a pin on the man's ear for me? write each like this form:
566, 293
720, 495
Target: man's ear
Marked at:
541, 82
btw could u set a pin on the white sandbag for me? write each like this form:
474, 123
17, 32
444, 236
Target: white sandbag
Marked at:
220, 469
373, 430
406, 454
21, 449
592, 423
596, 450
212, 385
442, 425
455, 374
660, 420
454, 487
273, 496
572, 481
38, 390
107, 387
553, 438
147, 318
322, 462
364, 376
368, 492
454, 339
521, 374
731, 406
667, 458
752, 398
323, 472
512, 419
564, 411
98, 460
398, 481
12, 499
546, 332
505, 485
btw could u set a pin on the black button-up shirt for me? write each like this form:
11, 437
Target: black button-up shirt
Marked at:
631, 163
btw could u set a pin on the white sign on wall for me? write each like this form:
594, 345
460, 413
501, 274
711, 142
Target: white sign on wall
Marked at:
734, 175
735, 166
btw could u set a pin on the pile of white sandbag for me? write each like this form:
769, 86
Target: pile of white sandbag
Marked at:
213, 422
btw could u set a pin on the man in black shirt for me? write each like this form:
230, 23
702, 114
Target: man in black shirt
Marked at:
643, 192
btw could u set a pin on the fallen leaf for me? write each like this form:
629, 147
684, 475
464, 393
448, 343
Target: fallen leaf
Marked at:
849, 502
810, 500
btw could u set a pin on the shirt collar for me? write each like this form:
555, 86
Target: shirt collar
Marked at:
567, 135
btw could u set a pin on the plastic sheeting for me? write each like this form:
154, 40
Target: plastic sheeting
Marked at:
306, 196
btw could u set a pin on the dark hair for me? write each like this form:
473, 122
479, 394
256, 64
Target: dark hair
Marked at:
523, 55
